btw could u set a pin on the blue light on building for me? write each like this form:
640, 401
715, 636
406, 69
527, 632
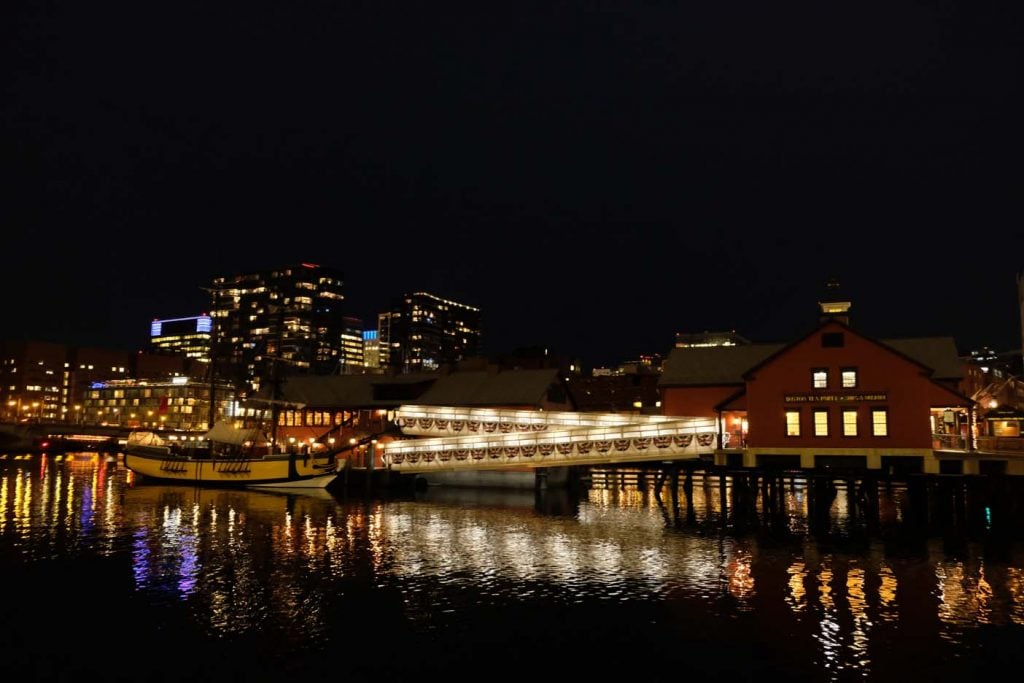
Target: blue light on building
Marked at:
204, 323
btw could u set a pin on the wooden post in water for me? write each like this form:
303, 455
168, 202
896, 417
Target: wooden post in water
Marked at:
371, 455
722, 500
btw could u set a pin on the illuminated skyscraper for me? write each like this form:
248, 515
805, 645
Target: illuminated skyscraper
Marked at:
425, 331
277, 322
189, 337
373, 358
352, 355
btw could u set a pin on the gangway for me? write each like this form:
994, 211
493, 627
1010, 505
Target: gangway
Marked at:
474, 438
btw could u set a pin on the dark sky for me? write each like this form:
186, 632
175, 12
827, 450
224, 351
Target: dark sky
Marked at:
595, 176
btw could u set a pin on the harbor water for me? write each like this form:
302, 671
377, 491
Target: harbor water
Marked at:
111, 578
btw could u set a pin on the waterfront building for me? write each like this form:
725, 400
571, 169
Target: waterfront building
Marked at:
47, 382
34, 376
353, 408
189, 337
424, 332
540, 389
335, 408
993, 380
180, 403
832, 398
273, 323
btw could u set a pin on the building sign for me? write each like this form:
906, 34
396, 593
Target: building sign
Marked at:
835, 398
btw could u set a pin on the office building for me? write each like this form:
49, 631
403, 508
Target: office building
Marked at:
373, 358
352, 360
277, 322
424, 332
189, 337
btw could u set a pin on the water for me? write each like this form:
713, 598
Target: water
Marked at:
109, 578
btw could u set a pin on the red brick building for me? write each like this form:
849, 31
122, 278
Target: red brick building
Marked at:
833, 398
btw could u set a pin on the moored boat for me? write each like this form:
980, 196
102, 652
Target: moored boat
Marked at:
227, 456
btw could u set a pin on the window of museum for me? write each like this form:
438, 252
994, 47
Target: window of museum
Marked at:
819, 378
849, 378
849, 423
832, 340
792, 423
821, 422
880, 422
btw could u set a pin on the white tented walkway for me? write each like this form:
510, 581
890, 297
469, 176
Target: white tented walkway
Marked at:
484, 438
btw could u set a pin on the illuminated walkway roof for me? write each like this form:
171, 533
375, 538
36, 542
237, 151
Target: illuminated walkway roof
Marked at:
485, 438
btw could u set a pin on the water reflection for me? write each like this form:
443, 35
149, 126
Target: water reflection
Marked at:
832, 581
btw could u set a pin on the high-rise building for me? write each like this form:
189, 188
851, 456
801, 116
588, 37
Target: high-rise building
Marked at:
373, 358
352, 354
189, 337
425, 331
277, 322
384, 321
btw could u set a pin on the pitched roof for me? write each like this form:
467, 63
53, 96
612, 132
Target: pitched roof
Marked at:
355, 391
712, 365
491, 388
725, 365
938, 353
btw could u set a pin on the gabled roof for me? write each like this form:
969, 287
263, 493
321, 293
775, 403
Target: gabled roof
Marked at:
938, 353
713, 365
354, 391
491, 388
726, 365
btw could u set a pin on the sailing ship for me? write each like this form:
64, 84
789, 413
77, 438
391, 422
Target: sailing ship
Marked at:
228, 456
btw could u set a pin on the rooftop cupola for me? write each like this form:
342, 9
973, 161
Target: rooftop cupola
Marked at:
834, 304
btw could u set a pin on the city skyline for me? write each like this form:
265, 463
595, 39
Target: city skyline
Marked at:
595, 179
803, 324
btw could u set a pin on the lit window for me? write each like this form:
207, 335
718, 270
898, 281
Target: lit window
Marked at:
849, 423
819, 378
849, 378
821, 422
880, 422
792, 423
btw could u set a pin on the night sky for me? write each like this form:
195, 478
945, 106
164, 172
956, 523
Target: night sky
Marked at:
595, 176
